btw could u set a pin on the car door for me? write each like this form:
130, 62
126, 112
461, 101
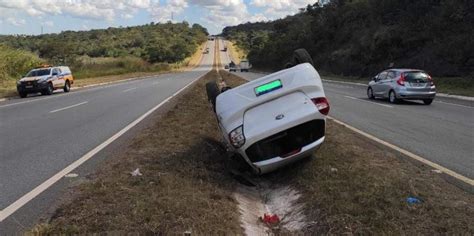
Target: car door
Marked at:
377, 87
58, 80
386, 83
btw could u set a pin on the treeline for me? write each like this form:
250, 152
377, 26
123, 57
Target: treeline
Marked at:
152, 42
362, 37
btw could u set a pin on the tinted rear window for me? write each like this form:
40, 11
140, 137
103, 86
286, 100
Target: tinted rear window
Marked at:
416, 76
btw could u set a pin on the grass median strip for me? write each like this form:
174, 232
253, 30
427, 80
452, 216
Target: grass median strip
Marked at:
351, 185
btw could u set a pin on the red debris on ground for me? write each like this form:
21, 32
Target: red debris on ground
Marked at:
270, 219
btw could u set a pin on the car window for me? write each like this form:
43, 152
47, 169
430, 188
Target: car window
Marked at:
40, 72
382, 75
416, 76
391, 75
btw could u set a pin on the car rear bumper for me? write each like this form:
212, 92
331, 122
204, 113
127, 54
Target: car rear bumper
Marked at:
275, 163
416, 95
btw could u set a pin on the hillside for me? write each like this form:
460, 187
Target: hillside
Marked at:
360, 38
152, 42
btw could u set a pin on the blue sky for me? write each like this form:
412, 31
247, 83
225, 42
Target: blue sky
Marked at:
29, 16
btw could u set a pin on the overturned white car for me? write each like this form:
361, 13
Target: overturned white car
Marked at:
274, 120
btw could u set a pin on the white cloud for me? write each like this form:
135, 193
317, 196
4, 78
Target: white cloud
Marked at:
275, 9
166, 12
16, 22
215, 13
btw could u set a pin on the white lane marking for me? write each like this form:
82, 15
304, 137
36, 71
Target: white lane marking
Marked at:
343, 82
64, 108
454, 104
409, 154
384, 105
12, 208
130, 89
155, 83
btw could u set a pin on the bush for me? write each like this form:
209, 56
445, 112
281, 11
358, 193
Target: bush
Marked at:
14, 63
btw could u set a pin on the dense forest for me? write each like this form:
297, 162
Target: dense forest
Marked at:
361, 37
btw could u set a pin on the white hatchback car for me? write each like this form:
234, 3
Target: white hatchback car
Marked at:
274, 120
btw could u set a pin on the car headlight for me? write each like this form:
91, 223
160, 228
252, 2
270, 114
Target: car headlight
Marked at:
237, 137
42, 80
18, 82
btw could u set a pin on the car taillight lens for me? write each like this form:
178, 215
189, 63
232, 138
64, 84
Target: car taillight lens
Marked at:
430, 80
401, 80
236, 137
322, 104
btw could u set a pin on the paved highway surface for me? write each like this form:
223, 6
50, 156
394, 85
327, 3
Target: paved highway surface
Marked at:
442, 132
42, 135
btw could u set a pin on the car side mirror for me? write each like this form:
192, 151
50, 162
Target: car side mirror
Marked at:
374, 78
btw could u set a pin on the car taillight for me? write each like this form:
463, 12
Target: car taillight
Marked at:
236, 137
322, 104
401, 80
430, 80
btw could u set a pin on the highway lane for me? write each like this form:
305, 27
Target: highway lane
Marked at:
42, 135
442, 132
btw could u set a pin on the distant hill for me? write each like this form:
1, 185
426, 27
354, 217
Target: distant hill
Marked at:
152, 42
361, 37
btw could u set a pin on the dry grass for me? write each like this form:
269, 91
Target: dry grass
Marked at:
236, 54
184, 185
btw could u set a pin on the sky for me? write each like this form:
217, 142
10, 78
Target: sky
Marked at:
53, 16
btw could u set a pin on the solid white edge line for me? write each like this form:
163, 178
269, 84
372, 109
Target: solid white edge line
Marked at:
12, 208
64, 108
408, 153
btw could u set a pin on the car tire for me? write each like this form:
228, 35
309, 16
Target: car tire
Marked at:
212, 91
67, 86
370, 93
300, 56
427, 101
23, 94
49, 90
392, 97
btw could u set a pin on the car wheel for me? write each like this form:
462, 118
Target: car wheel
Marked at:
427, 101
370, 93
212, 91
23, 94
300, 56
49, 90
67, 86
392, 97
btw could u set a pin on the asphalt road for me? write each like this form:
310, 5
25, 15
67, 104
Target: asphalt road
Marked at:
442, 132
41, 135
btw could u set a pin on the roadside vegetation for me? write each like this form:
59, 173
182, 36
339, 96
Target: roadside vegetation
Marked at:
361, 38
97, 53
350, 186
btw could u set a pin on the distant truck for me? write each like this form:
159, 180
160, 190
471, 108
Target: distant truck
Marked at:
245, 66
